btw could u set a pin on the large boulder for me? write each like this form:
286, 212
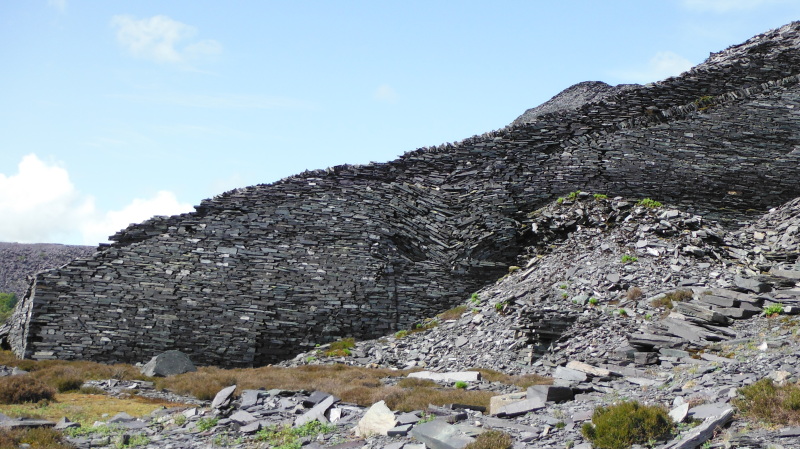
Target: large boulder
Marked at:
168, 363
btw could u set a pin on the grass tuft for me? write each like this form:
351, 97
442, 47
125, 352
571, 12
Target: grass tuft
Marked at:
492, 439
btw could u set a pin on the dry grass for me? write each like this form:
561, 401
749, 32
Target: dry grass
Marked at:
633, 293
85, 408
409, 399
493, 439
668, 300
39, 438
522, 381
766, 402
66, 375
453, 314
348, 382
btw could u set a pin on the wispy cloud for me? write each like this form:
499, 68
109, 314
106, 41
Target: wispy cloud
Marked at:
385, 93
60, 5
724, 6
162, 39
662, 65
40, 204
220, 101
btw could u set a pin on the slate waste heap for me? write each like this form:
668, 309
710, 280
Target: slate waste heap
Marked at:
617, 300
258, 274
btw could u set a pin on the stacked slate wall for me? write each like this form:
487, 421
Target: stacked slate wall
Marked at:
258, 274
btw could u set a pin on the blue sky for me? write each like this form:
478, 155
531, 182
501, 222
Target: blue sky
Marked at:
116, 111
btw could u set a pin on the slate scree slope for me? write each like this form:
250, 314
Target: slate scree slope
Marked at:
258, 274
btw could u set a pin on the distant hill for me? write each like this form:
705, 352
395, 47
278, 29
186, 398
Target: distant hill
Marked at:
20, 260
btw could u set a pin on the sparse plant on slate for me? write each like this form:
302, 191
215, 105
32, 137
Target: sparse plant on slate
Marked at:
772, 310
573, 195
204, 424
492, 439
600, 196
627, 258
461, 384
647, 202
340, 348
593, 301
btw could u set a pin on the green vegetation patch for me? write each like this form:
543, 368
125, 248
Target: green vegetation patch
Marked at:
763, 401
647, 202
341, 348
287, 437
622, 425
7, 303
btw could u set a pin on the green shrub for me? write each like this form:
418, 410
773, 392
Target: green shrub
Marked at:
401, 334
573, 195
204, 424
341, 348
600, 196
22, 389
625, 424
773, 309
647, 202
593, 301
492, 439
627, 258
7, 303
774, 404
461, 384
286, 437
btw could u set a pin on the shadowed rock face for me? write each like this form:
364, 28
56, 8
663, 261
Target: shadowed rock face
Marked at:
258, 274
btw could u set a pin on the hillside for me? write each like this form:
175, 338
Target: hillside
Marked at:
258, 274
19, 261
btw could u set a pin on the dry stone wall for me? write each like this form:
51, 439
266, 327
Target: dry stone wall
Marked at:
258, 274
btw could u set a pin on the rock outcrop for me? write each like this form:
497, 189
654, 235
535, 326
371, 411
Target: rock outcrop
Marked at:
258, 274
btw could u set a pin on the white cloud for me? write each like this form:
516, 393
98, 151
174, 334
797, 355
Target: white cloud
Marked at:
162, 39
164, 203
60, 5
723, 6
385, 93
663, 65
40, 204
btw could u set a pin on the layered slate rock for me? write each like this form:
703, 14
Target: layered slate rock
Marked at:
258, 274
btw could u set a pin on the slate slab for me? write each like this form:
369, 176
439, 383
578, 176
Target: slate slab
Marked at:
521, 407
438, 434
223, 398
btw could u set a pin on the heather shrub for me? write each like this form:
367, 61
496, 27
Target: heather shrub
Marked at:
622, 425
22, 389
774, 404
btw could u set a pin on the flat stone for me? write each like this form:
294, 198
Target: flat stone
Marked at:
317, 413
569, 374
588, 369
399, 431
521, 407
789, 432
251, 428
21, 424
168, 363
678, 414
751, 285
437, 434
242, 417
250, 398
461, 376
704, 411
496, 403
223, 397
408, 418
65, 423
550, 393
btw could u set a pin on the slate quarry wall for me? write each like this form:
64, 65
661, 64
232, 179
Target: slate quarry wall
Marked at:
261, 273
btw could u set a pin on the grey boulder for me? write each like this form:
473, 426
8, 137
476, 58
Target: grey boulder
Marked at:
168, 363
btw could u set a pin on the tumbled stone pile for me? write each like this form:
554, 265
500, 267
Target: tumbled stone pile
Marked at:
264, 272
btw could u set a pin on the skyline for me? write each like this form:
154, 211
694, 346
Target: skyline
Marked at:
116, 112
